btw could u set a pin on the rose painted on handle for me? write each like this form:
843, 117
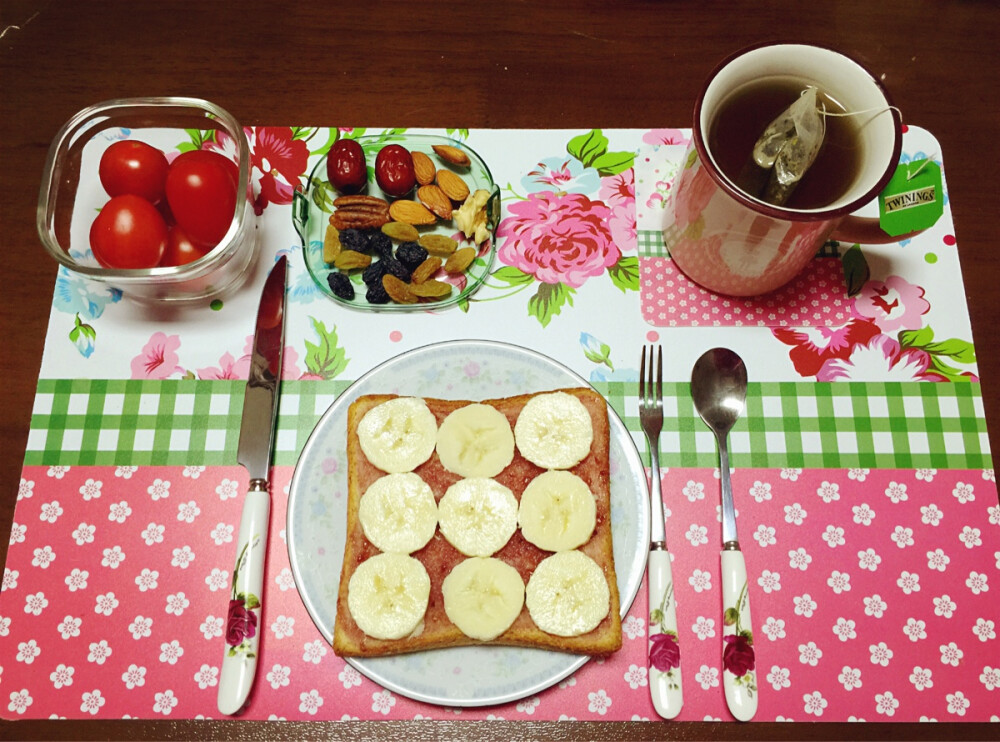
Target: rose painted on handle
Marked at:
241, 624
664, 651
737, 657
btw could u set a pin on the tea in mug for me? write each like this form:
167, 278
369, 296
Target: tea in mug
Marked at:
744, 115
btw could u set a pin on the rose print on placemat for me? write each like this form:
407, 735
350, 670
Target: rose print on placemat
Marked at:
558, 238
886, 339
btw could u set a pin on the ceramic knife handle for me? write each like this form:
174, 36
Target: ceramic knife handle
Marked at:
243, 622
664, 658
739, 678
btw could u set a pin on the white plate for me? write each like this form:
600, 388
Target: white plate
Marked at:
317, 502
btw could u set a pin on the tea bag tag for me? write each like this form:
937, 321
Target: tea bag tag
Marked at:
912, 200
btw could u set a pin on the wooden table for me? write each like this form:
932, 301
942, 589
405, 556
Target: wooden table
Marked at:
497, 64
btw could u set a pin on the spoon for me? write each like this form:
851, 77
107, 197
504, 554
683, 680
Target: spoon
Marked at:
719, 390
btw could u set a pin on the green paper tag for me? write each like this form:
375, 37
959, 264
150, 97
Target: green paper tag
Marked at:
912, 200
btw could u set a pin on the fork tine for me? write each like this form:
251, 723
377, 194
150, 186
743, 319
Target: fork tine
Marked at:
642, 377
659, 375
651, 375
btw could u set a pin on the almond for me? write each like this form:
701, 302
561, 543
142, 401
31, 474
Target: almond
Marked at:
400, 231
397, 290
411, 212
460, 260
453, 186
451, 154
435, 199
438, 244
423, 168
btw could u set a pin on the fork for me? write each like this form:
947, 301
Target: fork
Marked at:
664, 655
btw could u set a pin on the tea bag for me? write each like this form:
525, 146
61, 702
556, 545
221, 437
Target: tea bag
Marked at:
789, 145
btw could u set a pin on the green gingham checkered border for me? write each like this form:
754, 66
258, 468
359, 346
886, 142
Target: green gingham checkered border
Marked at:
789, 424
650, 244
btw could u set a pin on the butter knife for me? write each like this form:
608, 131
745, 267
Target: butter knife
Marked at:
260, 405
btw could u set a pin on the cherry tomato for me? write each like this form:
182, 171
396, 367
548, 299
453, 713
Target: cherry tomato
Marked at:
202, 195
346, 167
128, 233
133, 167
205, 155
180, 249
394, 170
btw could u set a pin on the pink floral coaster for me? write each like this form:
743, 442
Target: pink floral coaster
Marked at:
817, 297
874, 595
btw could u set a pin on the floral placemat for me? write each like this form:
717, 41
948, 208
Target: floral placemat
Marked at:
874, 597
114, 589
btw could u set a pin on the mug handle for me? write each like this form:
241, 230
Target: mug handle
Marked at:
865, 230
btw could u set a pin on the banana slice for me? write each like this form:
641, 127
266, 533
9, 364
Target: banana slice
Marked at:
398, 435
558, 511
478, 516
388, 595
567, 594
483, 596
475, 441
398, 513
554, 431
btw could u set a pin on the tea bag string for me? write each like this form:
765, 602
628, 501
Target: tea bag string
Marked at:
879, 109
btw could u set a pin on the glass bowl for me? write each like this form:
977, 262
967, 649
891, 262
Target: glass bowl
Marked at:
71, 194
313, 206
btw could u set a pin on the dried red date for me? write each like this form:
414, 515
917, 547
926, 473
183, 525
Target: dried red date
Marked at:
394, 170
346, 167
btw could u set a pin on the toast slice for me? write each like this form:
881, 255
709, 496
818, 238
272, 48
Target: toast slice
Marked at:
439, 556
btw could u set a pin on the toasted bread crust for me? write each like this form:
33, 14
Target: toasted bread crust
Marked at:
439, 557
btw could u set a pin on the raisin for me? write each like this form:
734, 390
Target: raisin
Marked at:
395, 268
377, 294
380, 244
340, 285
373, 273
411, 254
354, 239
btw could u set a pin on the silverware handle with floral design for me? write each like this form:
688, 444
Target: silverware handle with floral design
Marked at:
664, 658
739, 675
243, 621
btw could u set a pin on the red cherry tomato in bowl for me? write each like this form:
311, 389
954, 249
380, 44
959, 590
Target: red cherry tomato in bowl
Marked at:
180, 249
128, 233
133, 167
205, 155
201, 193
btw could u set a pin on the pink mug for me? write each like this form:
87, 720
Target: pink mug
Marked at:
732, 243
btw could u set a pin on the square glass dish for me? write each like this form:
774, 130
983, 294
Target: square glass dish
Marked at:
313, 207
71, 193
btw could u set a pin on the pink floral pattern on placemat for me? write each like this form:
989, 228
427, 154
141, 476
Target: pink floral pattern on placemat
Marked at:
817, 297
875, 595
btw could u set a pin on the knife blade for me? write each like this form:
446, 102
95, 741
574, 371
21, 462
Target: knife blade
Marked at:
260, 406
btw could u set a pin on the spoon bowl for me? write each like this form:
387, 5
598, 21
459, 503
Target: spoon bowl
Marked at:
719, 389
